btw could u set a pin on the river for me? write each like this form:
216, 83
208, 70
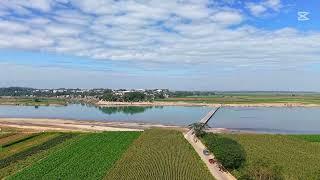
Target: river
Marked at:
260, 119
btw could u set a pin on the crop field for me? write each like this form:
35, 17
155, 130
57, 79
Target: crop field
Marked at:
24, 144
88, 157
310, 138
32, 101
160, 154
248, 99
293, 157
24, 158
153, 154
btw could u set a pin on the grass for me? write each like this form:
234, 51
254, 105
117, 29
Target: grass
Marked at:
247, 99
26, 158
32, 101
297, 158
89, 157
160, 154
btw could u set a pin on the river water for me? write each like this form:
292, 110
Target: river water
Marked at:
261, 119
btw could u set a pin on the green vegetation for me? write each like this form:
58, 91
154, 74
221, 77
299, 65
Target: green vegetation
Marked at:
87, 158
24, 145
127, 97
124, 109
26, 158
278, 156
17, 138
199, 129
227, 151
9, 137
32, 101
33, 150
160, 154
248, 99
310, 138
262, 170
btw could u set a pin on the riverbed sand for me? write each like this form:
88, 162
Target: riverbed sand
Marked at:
75, 125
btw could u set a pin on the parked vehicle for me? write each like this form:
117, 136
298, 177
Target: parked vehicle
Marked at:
212, 161
206, 152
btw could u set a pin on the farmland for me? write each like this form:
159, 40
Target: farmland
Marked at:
160, 154
14, 147
21, 159
310, 138
88, 157
248, 99
25, 101
155, 153
289, 157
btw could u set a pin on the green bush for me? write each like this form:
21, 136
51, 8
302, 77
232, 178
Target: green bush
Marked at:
37, 100
227, 151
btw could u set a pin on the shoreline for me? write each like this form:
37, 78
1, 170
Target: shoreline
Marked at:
181, 103
46, 124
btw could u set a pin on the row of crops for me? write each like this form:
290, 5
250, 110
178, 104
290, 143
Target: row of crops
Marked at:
87, 158
153, 154
57, 155
160, 154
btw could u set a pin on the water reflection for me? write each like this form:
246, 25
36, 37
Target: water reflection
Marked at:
125, 109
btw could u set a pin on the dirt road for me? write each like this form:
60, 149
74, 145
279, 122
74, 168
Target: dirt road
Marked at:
213, 168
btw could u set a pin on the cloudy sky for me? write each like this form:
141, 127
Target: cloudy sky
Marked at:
176, 44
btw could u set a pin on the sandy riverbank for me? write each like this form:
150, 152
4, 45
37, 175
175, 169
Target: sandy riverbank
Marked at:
75, 125
159, 103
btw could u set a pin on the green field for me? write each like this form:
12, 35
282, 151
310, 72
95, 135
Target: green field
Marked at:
89, 157
15, 147
32, 101
153, 154
160, 154
294, 157
310, 138
19, 153
248, 99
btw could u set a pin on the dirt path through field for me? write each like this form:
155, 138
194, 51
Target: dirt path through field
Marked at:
213, 168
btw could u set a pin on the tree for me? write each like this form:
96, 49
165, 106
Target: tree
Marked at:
37, 100
134, 97
226, 150
198, 128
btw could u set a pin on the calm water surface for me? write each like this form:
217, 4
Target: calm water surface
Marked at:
168, 115
261, 119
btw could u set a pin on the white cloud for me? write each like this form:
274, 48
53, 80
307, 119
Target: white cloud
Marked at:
20, 6
164, 33
256, 9
227, 18
12, 27
260, 8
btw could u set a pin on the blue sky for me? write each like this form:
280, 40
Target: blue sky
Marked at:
182, 44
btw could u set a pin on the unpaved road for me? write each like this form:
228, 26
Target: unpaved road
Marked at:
213, 168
